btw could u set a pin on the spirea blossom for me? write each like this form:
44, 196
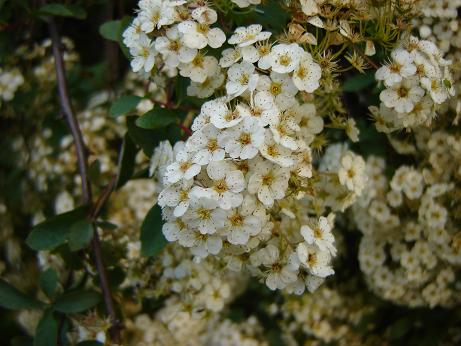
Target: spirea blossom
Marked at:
417, 81
224, 186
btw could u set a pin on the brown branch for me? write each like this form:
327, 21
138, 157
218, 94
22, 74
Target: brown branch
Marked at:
103, 198
83, 170
370, 62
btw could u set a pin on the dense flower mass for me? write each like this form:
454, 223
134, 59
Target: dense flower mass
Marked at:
409, 215
258, 173
417, 80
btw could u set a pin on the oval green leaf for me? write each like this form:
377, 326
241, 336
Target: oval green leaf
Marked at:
75, 302
13, 299
156, 118
124, 105
152, 239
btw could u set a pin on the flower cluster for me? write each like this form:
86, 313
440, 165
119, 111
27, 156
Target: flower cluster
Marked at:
235, 192
48, 164
411, 250
189, 33
326, 316
170, 326
249, 156
10, 81
417, 80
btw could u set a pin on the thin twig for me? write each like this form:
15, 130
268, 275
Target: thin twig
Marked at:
83, 169
103, 198
370, 62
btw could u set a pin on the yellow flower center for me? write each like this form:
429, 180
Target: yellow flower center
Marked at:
267, 179
285, 60
204, 214
275, 88
220, 186
245, 138
212, 145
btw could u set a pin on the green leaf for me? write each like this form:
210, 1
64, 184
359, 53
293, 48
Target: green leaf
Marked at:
152, 239
49, 282
147, 140
110, 30
126, 161
63, 10
156, 118
142, 137
124, 105
72, 262
400, 328
359, 82
46, 333
75, 302
13, 299
54, 232
80, 234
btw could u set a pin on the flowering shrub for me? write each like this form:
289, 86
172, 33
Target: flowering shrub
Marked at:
230, 172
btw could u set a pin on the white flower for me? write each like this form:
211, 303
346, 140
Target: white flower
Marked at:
439, 89
243, 141
402, 96
284, 133
320, 235
352, 172
307, 75
176, 230
241, 224
268, 181
309, 7
200, 68
217, 292
227, 184
352, 130
245, 36
64, 202
204, 15
222, 117
182, 168
263, 54
284, 58
172, 48
229, 57
162, 156
281, 86
310, 124
204, 215
205, 244
208, 87
401, 67
275, 152
143, 53
278, 276
241, 77
132, 33
177, 196
316, 261
156, 13
198, 36
263, 108
414, 184
205, 145
434, 215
